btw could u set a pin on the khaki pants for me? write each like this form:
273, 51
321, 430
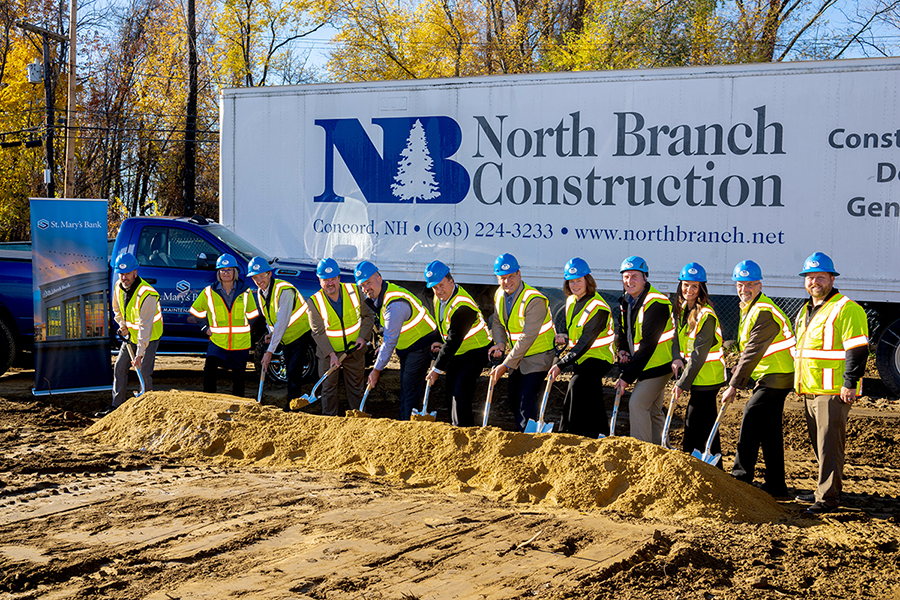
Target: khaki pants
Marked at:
353, 370
645, 409
826, 420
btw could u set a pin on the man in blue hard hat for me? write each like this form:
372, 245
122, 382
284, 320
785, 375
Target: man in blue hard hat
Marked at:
645, 349
830, 361
339, 320
285, 313
408, 329
522, 326
137, 311
463, 354
765, 339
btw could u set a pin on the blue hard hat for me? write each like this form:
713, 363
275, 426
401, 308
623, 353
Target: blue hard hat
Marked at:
693, 272
747, 270
126, 263
328, 268
575, 268
363, 271
258, 265
435, 273
505, 264
634, 263
818, 262
226, 261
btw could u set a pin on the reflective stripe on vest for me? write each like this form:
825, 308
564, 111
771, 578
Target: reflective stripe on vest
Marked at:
419, 323
230, 329
297, 324
602, 346
713, 370
777, 357
351, 317
478, 335
515, 325
132, 312
662, 354
820, 356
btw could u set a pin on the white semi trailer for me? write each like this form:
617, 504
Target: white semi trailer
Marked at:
768, 162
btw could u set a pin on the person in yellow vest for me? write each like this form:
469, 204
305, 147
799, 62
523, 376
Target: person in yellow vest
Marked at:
645, 349
522, 326
284, 311
765, 339
408, 328
463, 353
137, 311
589, 337
697, 358
224, 311
340, 321
830, 360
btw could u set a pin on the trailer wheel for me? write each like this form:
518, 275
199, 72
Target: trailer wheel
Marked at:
887, 357
7, 347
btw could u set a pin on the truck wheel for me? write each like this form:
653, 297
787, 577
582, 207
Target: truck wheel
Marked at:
887, 357
277, 372
7, 347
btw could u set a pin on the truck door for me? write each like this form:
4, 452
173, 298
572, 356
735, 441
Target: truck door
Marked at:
178, 263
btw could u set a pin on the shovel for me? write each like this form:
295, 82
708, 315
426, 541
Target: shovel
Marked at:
362, 405
138, 371
424, 415
664, 442
490, 392
706, 456
612, 422
540, 426
262, 382
307, 399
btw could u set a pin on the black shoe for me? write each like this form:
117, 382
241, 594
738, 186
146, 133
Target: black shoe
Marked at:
821, 508
104, 411
775, 492
806, 498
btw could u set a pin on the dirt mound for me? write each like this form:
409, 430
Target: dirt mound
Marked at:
619, 474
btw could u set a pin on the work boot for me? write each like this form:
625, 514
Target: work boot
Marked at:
821, 508
806, 498
104, 411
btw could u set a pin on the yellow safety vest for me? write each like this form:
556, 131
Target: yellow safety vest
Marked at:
299, 321
132, 312
352, 321
602, 347
663, 352
230, 328
713, 370
477, 336
515, 324
777, 357
418, 325
839, 325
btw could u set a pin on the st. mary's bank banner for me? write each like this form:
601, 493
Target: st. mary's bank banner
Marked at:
71, 283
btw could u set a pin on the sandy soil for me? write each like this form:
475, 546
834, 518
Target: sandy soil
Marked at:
81, 519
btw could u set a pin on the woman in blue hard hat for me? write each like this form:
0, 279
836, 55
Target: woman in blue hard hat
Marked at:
589, 337
224, 311
699, 343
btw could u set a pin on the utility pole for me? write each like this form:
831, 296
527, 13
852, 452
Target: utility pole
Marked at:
46, 35
70, 109
190, 133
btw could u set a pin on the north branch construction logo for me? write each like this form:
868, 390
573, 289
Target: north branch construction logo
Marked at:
413, 165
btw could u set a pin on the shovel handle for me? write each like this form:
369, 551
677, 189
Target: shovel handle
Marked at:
362, 403
544, 403
138, 371
715, 427
665, 433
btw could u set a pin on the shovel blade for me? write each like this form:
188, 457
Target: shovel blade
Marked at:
422, 416
534, 427
707, 457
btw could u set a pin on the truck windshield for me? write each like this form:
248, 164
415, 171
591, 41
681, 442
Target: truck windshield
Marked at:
242, 246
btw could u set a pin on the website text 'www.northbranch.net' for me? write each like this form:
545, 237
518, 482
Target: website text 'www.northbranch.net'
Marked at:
679, 235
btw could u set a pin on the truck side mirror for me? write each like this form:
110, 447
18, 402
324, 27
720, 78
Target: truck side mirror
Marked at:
206, 262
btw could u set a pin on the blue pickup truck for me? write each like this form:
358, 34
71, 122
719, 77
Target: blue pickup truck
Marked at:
177, 255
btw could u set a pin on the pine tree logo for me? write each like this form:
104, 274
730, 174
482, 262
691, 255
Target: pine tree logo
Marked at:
415, 175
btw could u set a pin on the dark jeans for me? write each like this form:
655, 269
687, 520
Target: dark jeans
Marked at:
414, 366
698, 421
462, 375
584, 412
522, 394
211, 372
293, 362
761, 427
